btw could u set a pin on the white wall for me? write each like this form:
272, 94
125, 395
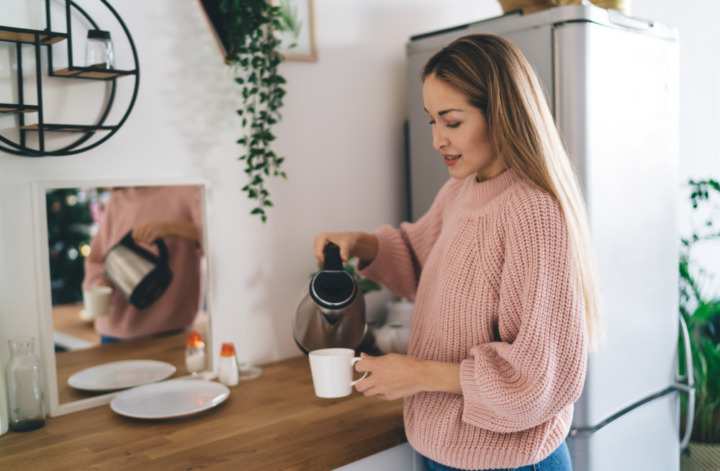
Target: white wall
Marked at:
341, 134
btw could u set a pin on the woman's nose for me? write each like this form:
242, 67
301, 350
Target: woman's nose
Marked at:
439, 140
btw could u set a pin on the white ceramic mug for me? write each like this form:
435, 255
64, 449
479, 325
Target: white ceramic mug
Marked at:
332, 371
97, 301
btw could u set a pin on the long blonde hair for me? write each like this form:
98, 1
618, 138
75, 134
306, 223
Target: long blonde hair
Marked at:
497, 79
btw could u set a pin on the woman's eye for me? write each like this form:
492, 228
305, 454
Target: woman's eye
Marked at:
452, 125
432, 122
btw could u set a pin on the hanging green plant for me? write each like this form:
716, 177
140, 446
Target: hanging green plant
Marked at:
254, 55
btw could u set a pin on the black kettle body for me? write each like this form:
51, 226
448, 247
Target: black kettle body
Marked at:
331, 311
139, 274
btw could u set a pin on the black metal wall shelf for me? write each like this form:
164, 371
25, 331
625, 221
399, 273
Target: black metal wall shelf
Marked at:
21, 37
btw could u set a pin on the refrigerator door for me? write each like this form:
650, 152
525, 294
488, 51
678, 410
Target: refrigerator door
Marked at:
630, 443
616, 108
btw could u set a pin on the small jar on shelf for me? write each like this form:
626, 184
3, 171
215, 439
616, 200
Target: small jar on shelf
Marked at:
99, 53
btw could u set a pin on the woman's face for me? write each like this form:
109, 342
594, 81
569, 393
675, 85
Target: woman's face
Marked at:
460, 132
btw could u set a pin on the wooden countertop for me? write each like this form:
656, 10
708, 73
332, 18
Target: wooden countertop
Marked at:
274, 422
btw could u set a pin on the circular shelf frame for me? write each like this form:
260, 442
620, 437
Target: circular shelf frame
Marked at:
47, 38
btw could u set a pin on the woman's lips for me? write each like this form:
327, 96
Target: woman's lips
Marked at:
450, 160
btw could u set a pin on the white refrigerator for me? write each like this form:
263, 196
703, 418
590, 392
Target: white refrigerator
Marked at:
612, 84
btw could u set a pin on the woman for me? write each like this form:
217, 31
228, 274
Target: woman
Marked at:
501, 270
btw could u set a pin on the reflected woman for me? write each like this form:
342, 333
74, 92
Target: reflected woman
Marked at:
173, 213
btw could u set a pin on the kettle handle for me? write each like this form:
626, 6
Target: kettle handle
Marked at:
332, 257
163, 256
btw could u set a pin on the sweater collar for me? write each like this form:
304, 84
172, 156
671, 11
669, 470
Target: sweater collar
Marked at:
486, 190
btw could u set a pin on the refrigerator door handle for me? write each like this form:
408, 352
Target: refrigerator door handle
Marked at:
686, 384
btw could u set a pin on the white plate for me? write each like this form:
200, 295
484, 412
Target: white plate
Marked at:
121, 375
173, 398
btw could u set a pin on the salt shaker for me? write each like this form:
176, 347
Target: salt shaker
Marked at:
195, 353
24, 386
228, 374
99, 50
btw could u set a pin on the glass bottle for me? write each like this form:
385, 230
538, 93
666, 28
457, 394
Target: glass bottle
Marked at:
24, 386
99, 52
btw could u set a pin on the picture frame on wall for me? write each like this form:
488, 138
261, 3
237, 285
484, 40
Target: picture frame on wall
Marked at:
297, 31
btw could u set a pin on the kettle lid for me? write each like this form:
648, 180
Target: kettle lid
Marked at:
333, 287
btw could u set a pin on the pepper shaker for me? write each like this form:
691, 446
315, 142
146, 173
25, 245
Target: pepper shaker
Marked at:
228, 374
195, 353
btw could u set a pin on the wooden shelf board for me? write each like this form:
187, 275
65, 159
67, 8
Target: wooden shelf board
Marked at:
13, 108
28, 36
67, 128
90, 73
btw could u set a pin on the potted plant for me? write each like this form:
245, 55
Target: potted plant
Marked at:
254, 55
701, 312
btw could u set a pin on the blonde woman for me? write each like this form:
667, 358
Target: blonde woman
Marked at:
501, 270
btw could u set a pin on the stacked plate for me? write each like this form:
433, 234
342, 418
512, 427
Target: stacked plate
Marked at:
147, 398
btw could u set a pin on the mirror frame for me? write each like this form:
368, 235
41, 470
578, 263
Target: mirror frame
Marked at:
42, 275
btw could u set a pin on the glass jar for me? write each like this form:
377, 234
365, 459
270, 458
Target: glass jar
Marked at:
99, 52
24, 386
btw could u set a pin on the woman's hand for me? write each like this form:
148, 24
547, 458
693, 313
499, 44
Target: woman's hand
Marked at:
397, 376
148, 232
359, 244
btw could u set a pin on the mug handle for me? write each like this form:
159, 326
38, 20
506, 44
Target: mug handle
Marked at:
352, 362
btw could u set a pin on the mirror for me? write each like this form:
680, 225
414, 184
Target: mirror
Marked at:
100, 235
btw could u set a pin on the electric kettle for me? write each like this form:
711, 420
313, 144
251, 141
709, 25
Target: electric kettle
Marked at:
138, 273
331, 311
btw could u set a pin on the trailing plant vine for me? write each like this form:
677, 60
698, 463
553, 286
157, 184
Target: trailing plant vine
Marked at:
253, 53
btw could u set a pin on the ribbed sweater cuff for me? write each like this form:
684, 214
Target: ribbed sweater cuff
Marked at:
474, 412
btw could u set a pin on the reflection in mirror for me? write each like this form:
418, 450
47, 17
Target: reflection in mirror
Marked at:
126, 277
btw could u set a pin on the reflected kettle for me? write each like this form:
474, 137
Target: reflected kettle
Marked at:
138, 273
331, 311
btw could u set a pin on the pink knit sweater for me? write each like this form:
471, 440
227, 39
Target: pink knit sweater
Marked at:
489, 269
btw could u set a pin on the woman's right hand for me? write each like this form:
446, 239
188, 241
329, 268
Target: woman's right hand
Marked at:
359, 244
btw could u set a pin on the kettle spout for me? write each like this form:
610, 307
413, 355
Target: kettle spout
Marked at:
333, 316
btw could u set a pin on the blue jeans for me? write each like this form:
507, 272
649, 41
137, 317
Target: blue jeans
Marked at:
559, 460
105, 340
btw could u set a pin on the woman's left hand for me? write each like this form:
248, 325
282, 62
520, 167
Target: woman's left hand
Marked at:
397, 376
391, 376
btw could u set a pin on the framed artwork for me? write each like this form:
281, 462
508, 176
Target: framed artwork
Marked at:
296, 32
